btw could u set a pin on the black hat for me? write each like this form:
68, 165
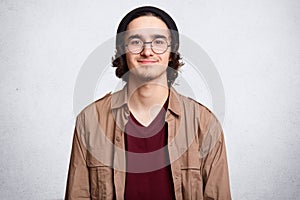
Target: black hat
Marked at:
141, 11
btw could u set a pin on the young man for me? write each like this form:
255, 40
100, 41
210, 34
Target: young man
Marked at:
146, 141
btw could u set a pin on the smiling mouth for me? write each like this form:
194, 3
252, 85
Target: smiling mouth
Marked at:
147, 61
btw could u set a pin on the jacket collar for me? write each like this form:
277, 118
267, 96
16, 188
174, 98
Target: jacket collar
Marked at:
120, 99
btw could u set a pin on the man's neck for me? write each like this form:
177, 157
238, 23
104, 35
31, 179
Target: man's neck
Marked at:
146, 99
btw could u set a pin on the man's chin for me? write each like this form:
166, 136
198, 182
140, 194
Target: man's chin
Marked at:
145, 77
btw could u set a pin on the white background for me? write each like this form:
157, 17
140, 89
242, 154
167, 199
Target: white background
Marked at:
254, 45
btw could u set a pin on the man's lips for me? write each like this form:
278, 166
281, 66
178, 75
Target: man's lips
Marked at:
147, 61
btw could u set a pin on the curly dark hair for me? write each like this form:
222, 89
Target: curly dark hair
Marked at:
119, 60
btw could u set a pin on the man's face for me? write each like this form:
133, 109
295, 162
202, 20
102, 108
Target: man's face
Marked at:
147, 65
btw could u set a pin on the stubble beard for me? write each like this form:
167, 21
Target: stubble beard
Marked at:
146, 74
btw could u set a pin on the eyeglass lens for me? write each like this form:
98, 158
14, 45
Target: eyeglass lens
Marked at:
158, 45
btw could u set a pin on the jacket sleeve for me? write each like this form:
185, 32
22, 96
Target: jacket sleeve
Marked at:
214, 165
78, 176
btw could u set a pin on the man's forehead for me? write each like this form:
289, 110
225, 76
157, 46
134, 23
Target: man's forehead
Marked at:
148, 32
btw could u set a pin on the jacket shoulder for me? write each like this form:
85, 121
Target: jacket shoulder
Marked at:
203, 111
102, 103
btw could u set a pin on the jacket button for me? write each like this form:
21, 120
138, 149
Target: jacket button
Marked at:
118, 139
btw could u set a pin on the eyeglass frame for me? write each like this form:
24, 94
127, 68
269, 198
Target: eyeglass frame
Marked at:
144, 44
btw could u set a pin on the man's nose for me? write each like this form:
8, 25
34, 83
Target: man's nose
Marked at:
147, 49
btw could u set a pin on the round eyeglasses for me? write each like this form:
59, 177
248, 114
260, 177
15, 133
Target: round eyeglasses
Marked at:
158, 45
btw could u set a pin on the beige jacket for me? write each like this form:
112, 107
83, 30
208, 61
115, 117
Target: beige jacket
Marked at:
195, 144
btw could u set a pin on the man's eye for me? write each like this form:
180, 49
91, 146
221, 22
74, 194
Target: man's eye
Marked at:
136, 42
159, 42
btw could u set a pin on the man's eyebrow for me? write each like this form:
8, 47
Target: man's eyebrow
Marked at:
153, 36
134, 36
159, 36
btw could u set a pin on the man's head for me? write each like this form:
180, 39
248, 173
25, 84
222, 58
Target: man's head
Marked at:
157, 40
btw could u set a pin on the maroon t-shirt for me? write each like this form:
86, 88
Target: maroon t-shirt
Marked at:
148, 171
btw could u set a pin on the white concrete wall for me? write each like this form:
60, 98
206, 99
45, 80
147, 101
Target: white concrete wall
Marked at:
254, 45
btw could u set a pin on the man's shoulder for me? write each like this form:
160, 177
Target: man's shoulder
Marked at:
186, 100
98, 105
202, 109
